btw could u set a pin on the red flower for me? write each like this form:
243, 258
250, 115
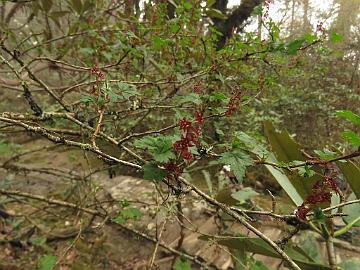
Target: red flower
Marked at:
302, 211
184, 124
199, 118
186, 155
197, 88
95, 71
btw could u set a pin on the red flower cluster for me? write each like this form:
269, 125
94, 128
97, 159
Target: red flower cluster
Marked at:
197, 88
189, 138
234, 102
173, 169
95, 71
322, 191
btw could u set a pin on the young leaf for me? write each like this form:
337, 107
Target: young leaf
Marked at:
131, 213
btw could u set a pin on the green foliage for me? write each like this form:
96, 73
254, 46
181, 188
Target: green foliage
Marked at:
160, 147
46, 262
352, 211
182, 264
238, 162
244, 194
153, 172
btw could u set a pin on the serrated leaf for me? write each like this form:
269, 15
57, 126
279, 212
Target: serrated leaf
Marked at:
215, 13
349, 115
160, 147
128, 90
351, 138
46, 262
153, 172
190, 98
238, 162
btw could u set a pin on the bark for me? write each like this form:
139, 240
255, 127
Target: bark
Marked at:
234, 20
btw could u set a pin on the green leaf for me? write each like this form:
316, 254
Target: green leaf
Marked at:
352, 174
238, 162
310, 37
128, 90
256, 265
215, 13
259, 246
46, 262
160, 147
217, 96
131, 213
351, 264
119, 220
335, 37
153, 172
255, 147
257, 11
287, 150
244, 194
77, 6
351, 138
187, 5
46, 5
306, 171
325, 154
38, 241
309, 244
190, 98
158, 43
352, 211
294, 45
86, 99
349, 115
182, 264
210, 3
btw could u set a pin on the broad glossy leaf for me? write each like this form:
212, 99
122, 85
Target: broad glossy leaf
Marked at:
287, 150
352, 211
352, 174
